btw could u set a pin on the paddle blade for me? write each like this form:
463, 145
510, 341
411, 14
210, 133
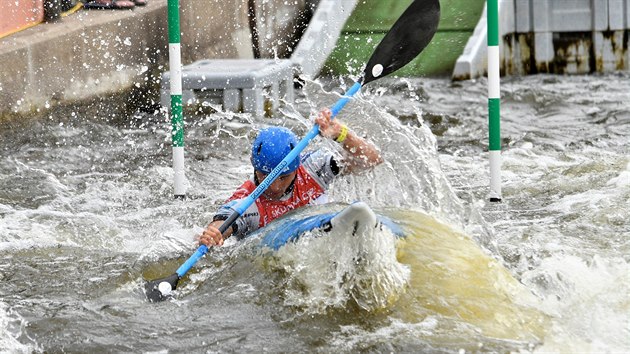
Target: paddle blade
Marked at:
411, 33
160, 289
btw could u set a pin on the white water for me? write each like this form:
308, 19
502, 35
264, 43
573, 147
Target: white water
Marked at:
85, 206
12, 338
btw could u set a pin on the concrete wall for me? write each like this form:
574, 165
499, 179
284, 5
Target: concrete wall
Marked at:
273, 17
553, 36
215, 29
571, 36
98, 52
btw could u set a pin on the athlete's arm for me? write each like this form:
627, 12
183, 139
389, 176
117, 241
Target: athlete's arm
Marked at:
362, 154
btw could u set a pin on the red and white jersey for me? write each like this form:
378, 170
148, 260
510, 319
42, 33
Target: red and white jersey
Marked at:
311, 183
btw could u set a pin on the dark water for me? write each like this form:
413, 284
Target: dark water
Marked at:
86, 212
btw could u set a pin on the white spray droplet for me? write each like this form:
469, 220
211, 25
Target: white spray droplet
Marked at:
377, 70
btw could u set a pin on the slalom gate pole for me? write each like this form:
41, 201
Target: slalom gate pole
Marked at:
494, 100
177, 116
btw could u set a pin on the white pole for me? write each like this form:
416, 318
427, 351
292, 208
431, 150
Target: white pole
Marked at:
494, 100
177, 116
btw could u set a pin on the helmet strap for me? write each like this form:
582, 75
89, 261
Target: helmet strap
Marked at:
256, 181
290, 187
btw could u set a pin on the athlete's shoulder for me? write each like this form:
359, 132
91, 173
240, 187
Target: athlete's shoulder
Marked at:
244, 190
321, 165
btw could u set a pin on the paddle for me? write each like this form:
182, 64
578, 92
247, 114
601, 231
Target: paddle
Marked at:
405, 40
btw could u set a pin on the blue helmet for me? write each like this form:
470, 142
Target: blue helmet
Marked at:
271, 146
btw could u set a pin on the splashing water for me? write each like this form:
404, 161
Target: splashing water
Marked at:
338, 268
86, 211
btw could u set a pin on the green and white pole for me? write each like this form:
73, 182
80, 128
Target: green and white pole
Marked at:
177, 116
494, 100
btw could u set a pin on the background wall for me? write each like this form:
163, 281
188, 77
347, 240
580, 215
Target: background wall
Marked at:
98, 52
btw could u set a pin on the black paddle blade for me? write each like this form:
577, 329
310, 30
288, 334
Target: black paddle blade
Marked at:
413, 30
160, 289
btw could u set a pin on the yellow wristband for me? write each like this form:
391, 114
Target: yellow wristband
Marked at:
344, 133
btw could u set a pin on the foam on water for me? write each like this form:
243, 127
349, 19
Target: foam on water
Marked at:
85, 205
562, 227
589, 300
436, 285
462, 286
12, 325
337, 269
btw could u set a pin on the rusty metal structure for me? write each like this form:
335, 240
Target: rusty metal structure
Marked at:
553, 36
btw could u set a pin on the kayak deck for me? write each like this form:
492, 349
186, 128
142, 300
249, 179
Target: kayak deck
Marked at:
356, 217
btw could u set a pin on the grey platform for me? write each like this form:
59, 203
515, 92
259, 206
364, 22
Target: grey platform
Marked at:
248, 84
238, 84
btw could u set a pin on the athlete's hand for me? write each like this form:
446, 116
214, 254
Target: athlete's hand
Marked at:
328, 128
211, 236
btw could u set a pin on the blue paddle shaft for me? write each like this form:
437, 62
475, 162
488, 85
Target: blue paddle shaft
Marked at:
240, 208
184, 268
343, 100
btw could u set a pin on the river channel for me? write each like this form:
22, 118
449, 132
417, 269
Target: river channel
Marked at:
87, 213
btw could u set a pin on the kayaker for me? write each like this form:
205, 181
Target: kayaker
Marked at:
303, 182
